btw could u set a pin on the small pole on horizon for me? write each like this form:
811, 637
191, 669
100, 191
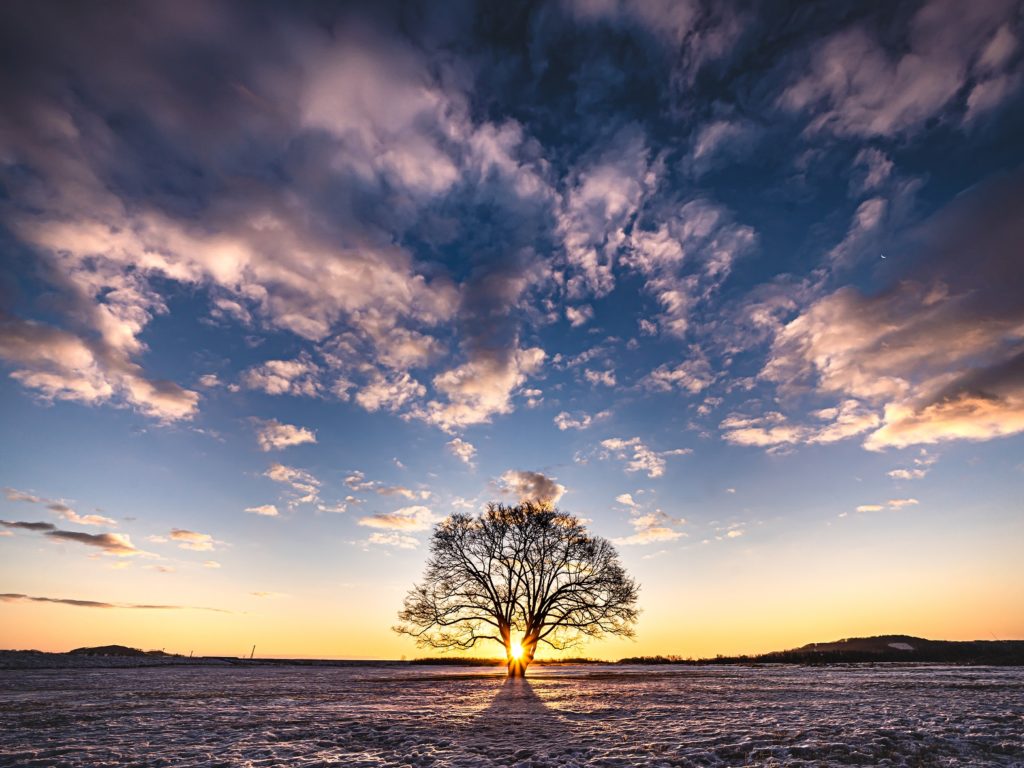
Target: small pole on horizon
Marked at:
253, 652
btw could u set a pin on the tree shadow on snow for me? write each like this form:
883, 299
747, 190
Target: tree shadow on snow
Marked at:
518, 725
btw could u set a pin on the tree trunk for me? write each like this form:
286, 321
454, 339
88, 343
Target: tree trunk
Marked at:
517, 667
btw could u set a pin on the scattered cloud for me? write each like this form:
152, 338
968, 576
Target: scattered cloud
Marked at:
272, 435
414, 518
639, 457
398, 540
266, 510
305, 487
652, 527
59, 507
579, 420
199, 542
463, 449
525, 485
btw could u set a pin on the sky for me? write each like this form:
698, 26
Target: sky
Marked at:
281, 286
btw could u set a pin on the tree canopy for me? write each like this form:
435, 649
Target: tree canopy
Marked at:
520, 576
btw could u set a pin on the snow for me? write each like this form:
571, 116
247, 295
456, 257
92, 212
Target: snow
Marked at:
877, 715
901, 646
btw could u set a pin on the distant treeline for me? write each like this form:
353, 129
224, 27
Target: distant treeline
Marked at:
898, 648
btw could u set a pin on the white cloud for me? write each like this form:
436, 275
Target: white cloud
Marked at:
580, 315
479, 388
398, 540
855, 87
580, 420
652, 527
531, 486
305, 487
391, 392
414, 518
273, 435
267, 510
639, 457
300, 376
464, 450
605, 378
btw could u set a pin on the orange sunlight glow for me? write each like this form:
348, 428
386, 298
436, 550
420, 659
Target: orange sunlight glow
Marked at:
516, 651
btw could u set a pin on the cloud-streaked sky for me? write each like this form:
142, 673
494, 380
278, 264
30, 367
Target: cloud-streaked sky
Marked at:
740, 284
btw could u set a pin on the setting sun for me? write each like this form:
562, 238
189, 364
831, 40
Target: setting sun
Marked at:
516, 651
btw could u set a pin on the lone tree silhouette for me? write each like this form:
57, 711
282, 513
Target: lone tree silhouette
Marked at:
520, 576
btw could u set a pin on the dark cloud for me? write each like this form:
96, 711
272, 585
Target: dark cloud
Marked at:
14, 597
110, 543
28, 526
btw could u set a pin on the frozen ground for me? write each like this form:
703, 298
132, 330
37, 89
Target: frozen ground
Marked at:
601, 716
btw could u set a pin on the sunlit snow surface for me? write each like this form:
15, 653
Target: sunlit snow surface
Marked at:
602, 716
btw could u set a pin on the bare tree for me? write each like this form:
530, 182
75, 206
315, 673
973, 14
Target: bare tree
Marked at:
519, 576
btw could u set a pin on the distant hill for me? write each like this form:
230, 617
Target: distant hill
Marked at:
115, 650
882, 648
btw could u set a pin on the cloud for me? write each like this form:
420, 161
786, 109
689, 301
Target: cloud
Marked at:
651, 527
12, 494
480, 388
59, 507
211, 564
393, 540
606, 378
855, 87
28, 526
390, 392
267, 510
464, 450
414, 518
773, 430
687, 258
400, 490
272, 435
300, 377
60, 365
907, 474
938, 354
693, 375
603, 197
305, 487
118, 544
531, 486
580, 315
14, 597
639, 457
579, 420
626, 499
891, 504
198, 542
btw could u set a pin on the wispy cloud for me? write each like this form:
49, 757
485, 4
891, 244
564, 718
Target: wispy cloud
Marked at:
14, 597
414, 518
266, 510
638, 456
60, 508
186, 539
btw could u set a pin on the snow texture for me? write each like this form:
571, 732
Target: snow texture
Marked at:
881, 715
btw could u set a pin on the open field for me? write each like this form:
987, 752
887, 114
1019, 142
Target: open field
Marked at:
882, 715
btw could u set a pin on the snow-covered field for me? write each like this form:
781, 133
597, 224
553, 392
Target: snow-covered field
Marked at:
446, 716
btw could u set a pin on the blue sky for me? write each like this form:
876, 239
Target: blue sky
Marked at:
739, 283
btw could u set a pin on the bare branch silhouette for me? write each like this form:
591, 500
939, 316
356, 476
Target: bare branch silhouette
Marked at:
525, 574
